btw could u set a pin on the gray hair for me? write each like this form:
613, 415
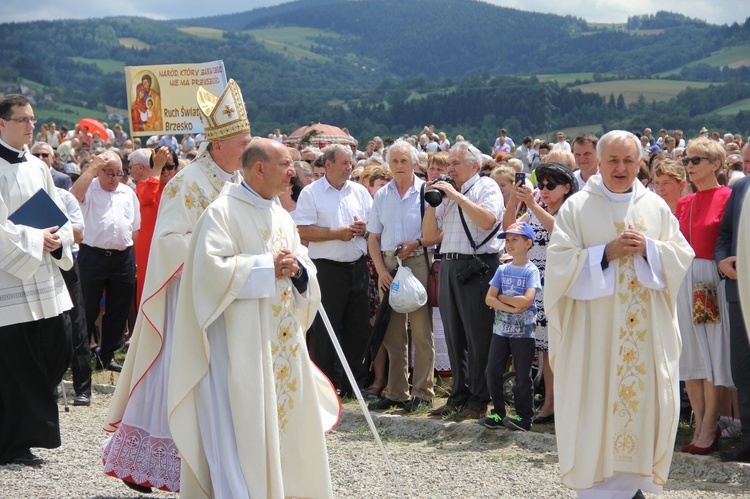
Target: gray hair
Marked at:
111, 157
314, 150
140, 157
403, 146
617, 136
331, 150
304, 168
470, 154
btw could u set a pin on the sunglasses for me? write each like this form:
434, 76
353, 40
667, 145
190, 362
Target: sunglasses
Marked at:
694, 160
550, 186
169, 167
44, 155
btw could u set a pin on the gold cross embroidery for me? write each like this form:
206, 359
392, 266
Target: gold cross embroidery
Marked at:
228, 110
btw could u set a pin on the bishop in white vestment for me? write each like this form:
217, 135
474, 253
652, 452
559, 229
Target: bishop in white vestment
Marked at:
141, 450
615, 263
247, 408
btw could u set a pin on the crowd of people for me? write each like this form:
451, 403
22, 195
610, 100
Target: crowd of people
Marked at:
568, 255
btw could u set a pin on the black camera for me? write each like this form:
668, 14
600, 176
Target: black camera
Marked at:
435, 196
475, 268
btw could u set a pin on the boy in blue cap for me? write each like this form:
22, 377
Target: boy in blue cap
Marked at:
511, 294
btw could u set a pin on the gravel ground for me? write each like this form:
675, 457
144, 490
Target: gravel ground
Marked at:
433, 458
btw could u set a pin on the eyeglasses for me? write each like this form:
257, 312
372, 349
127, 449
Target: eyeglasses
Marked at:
25, 120
113, 175
694, 160
168, 167
44, 155
354, 179
550, 186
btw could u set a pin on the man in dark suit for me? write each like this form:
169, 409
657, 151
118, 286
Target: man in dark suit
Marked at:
725, 255
44, 151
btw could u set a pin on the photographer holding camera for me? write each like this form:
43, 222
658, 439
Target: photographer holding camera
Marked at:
467, 219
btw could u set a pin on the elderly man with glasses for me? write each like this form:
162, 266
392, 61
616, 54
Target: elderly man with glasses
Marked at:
45, 152
112, 218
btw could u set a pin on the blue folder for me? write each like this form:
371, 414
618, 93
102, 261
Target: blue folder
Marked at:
39, 211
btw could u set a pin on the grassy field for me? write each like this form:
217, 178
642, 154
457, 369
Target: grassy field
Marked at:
733, 57
652, 90
106, 65
293, 42
65, 114
564, 79
734, 108
203, 32
133, 43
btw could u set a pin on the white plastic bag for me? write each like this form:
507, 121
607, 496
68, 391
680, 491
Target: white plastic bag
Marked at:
407, 293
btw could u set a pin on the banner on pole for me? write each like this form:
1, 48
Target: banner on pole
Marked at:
161, 99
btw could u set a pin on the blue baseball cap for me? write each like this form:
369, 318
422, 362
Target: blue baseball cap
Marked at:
520, 228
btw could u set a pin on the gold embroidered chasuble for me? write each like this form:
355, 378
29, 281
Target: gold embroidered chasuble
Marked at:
615, 357
183, 201
280, 405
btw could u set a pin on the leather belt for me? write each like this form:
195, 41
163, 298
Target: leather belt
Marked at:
457, 256
104, 252
464, 256
413, 253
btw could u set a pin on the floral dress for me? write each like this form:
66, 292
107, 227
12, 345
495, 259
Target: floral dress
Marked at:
538, 256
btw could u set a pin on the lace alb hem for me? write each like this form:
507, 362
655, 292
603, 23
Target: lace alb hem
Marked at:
134, 454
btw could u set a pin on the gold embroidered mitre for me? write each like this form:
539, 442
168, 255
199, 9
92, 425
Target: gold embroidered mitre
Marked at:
225, 116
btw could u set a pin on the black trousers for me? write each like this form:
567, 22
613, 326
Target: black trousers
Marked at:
114, 276
467, 321
522, 350
33, 358
81, 365
345, 299
739, 357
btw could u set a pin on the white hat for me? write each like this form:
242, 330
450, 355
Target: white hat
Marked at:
225, 116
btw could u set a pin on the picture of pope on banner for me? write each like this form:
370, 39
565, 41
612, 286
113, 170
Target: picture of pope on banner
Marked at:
145, 111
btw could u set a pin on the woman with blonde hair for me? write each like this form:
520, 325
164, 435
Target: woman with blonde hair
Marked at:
702, 310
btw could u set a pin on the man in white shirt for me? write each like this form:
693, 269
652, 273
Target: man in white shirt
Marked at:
503, 135
524, 154
561, 142
34, 348
112, 217
395, 221
584, 151
332, 214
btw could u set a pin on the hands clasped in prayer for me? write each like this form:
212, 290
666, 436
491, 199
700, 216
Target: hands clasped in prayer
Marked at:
629, 243
285, 264
357, 228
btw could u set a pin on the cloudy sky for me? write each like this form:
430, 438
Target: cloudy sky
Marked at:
714, 11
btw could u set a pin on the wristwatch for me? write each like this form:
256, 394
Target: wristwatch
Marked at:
419, 243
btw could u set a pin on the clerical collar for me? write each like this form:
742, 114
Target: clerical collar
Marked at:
226, 177
259, 200
11, 154
619, 197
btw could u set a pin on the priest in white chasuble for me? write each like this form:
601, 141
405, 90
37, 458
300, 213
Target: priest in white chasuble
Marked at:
615, 263
247, 408
141, 451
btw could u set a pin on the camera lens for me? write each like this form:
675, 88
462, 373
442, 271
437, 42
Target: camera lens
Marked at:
434, 197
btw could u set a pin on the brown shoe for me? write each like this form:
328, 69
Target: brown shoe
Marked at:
473, 412
443, 410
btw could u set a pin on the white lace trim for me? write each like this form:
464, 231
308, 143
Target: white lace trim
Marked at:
143, 459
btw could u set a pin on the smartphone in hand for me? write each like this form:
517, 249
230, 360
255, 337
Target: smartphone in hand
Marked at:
520, 177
